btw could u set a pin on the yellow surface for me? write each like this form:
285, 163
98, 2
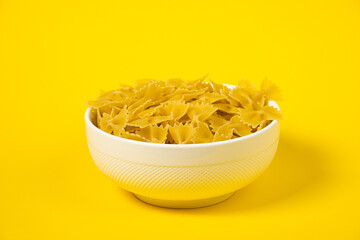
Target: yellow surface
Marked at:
56, 54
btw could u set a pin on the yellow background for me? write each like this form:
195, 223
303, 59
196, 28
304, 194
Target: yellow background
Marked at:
54, 55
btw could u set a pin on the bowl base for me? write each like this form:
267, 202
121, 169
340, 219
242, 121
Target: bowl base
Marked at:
184, 204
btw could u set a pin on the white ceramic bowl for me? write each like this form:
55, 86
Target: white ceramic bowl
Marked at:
182, 176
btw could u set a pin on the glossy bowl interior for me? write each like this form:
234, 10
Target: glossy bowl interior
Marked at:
182, 176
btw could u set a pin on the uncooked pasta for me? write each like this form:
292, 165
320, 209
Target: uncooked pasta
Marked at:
185, 112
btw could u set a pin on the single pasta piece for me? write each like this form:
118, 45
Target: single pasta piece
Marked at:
202, 134
182, 133
200, 112
153, 133
176, 109
185, 112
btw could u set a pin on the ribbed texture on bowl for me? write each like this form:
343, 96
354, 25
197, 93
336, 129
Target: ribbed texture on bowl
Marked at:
184, 182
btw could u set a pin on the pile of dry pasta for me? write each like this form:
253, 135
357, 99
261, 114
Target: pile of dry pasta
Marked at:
185, 112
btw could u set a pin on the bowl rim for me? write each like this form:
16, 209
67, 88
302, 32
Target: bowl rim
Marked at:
89, 123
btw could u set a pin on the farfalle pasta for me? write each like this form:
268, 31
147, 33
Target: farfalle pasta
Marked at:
185, 112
